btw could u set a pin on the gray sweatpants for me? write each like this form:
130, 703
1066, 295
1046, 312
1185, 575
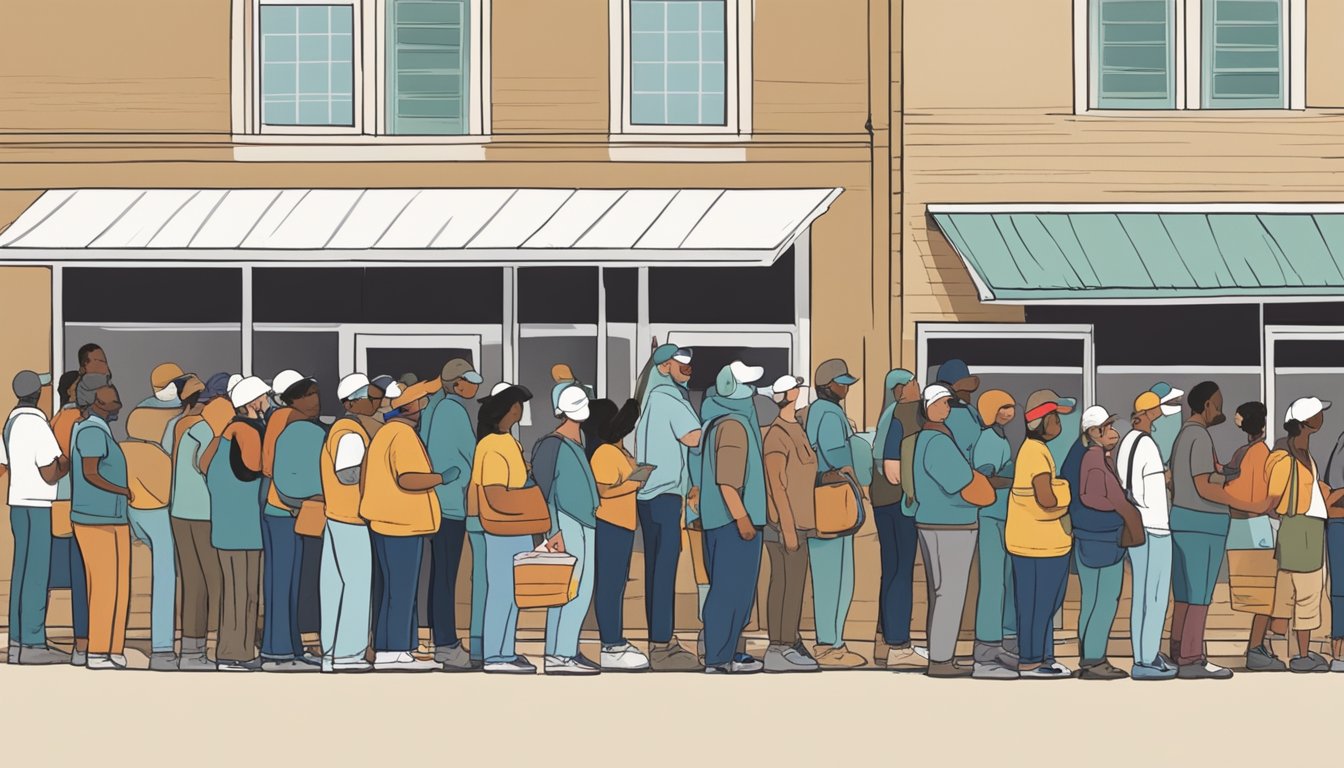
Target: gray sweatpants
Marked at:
947, 555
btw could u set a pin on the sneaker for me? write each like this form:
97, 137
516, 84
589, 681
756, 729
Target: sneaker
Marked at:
237, 666
349, 664
101, 661
746, 664
1165, 663
400, 661
1262, 659
287, 665
839, 657
671, 657
519, 665
948, 669
922, 652
120, 660
1102, 670
1151, 672
79, 658
453, 659
782, 658
992, 670
163, 661
1337, 666
801, 648
623, 657
1060, 668
1010, 646
995, 654
1312, 662
905, 659
1203, 670
880, 650
1045, 672
568, 665
35, 655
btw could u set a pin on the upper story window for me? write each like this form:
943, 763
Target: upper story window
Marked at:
681, 66
377, 67
1191, 54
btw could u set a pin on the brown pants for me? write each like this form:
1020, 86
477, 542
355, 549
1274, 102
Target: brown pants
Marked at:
239, 604
784, 598
198, 565
106, 550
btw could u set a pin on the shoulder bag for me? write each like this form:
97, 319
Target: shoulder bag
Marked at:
1300, 546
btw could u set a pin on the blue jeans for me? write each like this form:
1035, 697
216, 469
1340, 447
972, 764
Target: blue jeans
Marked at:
995, 606
832, 563
1100, 600
897, 540
564, 622
280, 588
660, 523
1197, 558
347, 589
310, 584
1150, 563
155, 529
29, 575
399, 559
1334, 543
501, 610
733, 566
67, 571
1040, 583
614, 545
476, 538
445, 556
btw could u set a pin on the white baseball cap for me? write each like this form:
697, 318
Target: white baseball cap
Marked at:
1096, 416
572, 401
233, 381
935, 392
350, 385
1304, 408
782, 384
286, 379
500, 387
745, 374
247, 390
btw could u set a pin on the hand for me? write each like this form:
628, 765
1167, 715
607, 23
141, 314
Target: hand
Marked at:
130, 496
791, 542
745, 529
693, 497
556, 543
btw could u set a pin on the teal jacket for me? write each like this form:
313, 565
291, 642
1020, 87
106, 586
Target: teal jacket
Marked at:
450, 440
963, 422
713, 509
235, 503
940, 474
91, 505
828, 431
566, 480
993, 457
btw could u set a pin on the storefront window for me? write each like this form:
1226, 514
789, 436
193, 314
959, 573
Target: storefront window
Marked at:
744, 295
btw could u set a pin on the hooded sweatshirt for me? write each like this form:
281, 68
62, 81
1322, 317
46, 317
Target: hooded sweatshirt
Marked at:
718, 411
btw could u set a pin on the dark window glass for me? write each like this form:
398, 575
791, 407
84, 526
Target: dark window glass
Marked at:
1026, 353
557, 295
152, 295
1306, 313
1308, 354
424, 364
1165, 334
436, 295
311, 353
723, 294
622, 295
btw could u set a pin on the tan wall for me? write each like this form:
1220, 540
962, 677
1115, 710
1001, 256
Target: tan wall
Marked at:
977, 130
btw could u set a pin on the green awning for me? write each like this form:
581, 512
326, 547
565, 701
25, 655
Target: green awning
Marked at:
1066, 253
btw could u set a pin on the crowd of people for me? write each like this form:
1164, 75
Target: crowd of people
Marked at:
265, 521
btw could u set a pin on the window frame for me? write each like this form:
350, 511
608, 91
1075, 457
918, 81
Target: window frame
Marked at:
738, 18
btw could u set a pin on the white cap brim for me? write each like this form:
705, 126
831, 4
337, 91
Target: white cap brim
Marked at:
247, 390
350, 385
746, 374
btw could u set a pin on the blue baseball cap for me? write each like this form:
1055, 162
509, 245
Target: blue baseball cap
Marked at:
953, 371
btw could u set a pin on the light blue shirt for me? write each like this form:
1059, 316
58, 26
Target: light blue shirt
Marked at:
191, 495
941, 472
993, 457
964, 424
668, 418
90, 505
450, 442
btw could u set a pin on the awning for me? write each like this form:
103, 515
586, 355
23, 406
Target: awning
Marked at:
624, 227
1078, 253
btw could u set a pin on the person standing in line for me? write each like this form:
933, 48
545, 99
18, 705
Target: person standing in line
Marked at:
732, 513
447, 432
1199, 524
790, 479
618, 478
150, 471
100, 496
189, 516
1302, 500
347, 553
896, 534
92, 359
1039, 538
995, 606
963, 421
1100, 514
63, 535
1252, 573
402, 509
35, 466
668, 428
561, 468
498, 473
232, 463
163, 383
832, 558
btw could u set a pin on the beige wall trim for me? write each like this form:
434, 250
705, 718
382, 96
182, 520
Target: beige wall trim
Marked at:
360, 153
664, 154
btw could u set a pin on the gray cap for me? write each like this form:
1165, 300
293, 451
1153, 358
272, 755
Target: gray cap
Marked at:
457, 368
835, 370
27, 383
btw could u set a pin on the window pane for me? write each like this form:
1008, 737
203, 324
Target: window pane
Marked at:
429, 48
678, 60
1133, 53
1243, 54
307, 74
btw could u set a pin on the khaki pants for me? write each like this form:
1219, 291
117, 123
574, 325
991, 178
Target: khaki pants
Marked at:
198, 566
1297, 596
106, 550
1252, 575
239, 604
784, 598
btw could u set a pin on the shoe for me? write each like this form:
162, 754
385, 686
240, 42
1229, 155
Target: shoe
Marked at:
1060, 668
36, 655
905, 659
700, 646
79, 658
782, 658
1337, 666
101, 661
1312, 662
1262, 659
288, 665
237, 666
801, 648
1203, 670
746, 664
567, 665
992, 670
401, 661
880, 650
1045, 672
1151, 672
163, 661
518, 666
1102, 670
948, 670
1010, 646
349, 664
1165, 663
839, 657
453, 659
623, 657
922, 652
120, 660
995, 654
671, 657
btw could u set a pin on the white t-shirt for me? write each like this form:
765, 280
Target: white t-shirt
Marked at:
1317, 508
1150, 480
31, 445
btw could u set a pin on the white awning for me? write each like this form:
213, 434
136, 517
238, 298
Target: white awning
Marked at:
614, 227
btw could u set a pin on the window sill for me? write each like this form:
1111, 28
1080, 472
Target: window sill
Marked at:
671, 137
359, 148
1213, 112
